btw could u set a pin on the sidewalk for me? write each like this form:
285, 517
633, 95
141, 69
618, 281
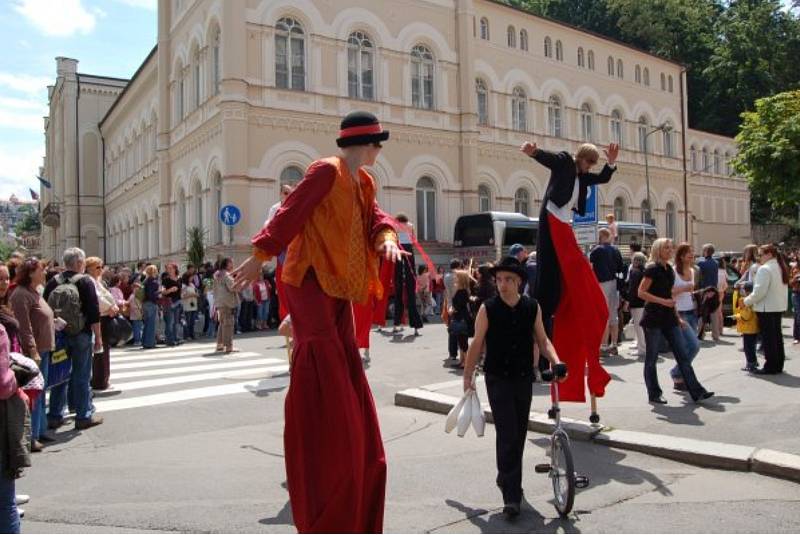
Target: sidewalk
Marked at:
758, 412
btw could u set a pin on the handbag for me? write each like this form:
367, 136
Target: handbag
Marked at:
60, 368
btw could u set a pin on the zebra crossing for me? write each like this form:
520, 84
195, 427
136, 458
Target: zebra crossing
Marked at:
189, 372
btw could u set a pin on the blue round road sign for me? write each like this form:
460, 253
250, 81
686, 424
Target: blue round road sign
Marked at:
230, 215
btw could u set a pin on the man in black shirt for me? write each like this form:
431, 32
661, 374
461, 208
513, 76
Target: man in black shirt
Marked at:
608, 267
509, 323
79, 346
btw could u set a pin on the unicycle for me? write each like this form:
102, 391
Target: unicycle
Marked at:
561, 468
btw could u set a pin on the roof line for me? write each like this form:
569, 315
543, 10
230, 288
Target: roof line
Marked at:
130, 83
584, 30
103, 77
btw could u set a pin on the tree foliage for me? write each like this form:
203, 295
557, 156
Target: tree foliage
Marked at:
769, 150
29, 223
196, 253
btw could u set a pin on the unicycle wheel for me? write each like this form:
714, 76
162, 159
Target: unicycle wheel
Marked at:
563, 474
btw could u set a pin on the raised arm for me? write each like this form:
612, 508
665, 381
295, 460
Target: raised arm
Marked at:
551, 160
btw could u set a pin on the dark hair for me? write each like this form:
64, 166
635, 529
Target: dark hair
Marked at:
422, 269
772, 250
13, 265
636, 247
26, 270
115, 279
225, 262
402, 218
140, 264
679, 254
455, 263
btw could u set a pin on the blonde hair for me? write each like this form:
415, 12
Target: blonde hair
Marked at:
463, 279
588, 152
93, 262
655, 250
151, 271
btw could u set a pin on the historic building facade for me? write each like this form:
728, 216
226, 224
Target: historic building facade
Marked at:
241, 95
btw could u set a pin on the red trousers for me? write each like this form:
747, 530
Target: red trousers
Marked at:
335, 463
580, 318
280, 287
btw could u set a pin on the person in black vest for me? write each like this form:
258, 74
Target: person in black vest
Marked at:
509, 324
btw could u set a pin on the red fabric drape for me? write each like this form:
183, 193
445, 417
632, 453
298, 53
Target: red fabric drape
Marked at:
280, 287
335, 463
580, 317
380, 305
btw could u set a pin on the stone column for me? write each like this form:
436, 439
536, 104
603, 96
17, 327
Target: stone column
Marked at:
163, 229
67, 72
468, 105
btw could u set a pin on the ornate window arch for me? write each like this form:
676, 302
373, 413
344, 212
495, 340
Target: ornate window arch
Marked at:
519, 110
642, 130
581, 62
485, 29
422, 72
590, 60
611, 66
426, 209
511, 37
483, 102
559, 51
523, 40
554, 115
484, 198
290, 54
646, 212
522, 201
620, 209
360, 66
548, 47
587, 122
620, 72
291, 175
616, 127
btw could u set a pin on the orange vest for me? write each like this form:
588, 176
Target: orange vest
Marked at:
335, 241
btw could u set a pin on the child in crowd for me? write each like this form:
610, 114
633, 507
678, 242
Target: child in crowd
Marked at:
747, 326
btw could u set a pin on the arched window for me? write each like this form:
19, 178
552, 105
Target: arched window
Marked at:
647, 217
554, 116
422, 77
519, 110
484, 199
590, 60
522, 201
177, 89
217, 206
291, 175
426, 209
290, 55
360, 66
642, 129
523, 40
197, 198
620, 210
706, 162
669, 150
727, 164
215, 61
511, 34
616, 127
717, 163
610, 66
580, 57
620, 73
670, 83
483, 102
672, 217
638, 75
663, 82
181, 200
646, 77
695, 163
587, 126
485, 29
559, 51
548, 47
196, 79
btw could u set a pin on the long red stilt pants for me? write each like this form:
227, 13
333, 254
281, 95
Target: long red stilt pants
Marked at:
335, 463
580, 318
280, 287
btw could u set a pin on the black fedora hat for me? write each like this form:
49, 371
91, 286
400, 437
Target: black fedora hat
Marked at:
510, 264
360, 128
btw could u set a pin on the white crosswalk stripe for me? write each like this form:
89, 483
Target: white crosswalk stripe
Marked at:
169, 375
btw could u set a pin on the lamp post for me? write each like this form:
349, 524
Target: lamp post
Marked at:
664, 127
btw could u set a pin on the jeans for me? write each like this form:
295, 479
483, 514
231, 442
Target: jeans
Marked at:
38, 419
137, 326
262, 312
674, 338
750, 342
172, 316
690, 340
188, 328
796, 310
9, 514
79, 349
150, 319
438, 297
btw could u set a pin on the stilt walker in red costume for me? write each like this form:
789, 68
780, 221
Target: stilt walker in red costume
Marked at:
566, 287
335, 232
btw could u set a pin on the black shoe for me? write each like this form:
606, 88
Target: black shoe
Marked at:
658, 400
704, 396
751, 368
511, 510
680, 387
53, 423
763, 371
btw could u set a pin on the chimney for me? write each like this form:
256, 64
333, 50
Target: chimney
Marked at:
66, 66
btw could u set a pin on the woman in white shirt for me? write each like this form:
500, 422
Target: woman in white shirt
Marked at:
682, 292
101, 365
770, 299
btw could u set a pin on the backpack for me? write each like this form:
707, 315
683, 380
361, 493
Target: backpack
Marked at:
65, 300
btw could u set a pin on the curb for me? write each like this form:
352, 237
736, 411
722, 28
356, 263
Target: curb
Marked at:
703, 453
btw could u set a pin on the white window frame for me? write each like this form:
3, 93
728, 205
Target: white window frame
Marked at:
360, 61
291, 31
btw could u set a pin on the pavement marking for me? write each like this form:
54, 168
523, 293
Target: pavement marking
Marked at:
165, 381
191, 394
185, 360
225, 365
132, 350
150, 355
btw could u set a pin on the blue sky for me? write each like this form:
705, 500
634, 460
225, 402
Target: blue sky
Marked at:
108, 37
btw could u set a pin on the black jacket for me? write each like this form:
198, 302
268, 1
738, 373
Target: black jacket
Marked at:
562, 179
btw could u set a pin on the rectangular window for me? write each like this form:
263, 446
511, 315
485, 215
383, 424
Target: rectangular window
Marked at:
367, 82
281, 63
352, 72
298, 65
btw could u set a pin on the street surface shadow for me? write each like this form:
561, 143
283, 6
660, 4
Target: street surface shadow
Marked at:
283, 517
399, 339
617, 361
781, 379
686, 414
607, 467
529, 521
265, 387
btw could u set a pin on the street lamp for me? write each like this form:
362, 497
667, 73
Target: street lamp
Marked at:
666, 128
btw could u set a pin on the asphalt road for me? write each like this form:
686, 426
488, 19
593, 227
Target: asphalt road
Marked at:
193, 443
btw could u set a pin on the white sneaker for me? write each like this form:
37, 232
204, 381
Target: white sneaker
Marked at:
22, 499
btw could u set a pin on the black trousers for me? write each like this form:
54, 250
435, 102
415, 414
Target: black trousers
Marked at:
772, 341
510, 400
405, 285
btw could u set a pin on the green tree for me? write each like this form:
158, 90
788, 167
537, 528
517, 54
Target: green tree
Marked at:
769, 151
196, 252
593, 15
29, 223
5, 250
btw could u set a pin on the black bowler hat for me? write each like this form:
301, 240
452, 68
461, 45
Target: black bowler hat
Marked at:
360, 128
511, 265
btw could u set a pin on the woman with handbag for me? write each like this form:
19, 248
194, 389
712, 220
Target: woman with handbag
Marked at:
150, 295
36, 335
101, 364
462, 324
171, 303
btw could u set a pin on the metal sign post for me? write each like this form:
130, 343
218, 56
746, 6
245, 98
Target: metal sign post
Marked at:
585, 226
230, 215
